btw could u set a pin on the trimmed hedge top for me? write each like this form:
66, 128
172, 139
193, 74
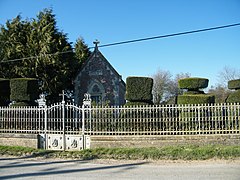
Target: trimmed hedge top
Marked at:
234, 97
234, 84
139, 89
196, 99
193, 92
193, 83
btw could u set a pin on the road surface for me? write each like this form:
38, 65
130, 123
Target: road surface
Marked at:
59, 169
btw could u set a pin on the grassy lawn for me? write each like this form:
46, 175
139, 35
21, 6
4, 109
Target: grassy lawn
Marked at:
164, 153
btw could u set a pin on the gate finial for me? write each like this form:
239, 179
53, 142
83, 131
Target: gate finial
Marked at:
42, 100
87, 100
63, 94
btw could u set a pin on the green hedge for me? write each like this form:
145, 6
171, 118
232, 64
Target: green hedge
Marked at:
4, 91
193, 83
234, 84
234, 97
129, 104
196, 99
23, 103
193, 92
24, 89
139, 89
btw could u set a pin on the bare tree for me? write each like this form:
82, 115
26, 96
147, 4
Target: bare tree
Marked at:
161, 81
221, 93
227, 74
165, 86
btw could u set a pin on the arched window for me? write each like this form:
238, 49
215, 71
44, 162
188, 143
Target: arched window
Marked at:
97, 92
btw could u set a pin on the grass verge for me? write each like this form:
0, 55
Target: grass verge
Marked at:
163, 153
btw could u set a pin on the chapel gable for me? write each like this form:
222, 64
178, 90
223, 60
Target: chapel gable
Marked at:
98, 78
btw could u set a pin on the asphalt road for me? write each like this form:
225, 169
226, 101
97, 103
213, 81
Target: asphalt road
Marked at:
28, 168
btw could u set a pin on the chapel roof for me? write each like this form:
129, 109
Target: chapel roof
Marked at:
97, 53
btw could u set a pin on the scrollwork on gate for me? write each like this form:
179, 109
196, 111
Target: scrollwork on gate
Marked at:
55, 143
74, 143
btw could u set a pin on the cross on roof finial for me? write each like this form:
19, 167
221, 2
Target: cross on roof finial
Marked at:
96, 42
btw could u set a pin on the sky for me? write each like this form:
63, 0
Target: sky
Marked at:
201, 54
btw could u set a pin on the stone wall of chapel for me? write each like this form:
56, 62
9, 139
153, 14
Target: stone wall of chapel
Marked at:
97, 70
122, 92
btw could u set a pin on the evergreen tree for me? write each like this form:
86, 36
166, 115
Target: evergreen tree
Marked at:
53, 62
82, 52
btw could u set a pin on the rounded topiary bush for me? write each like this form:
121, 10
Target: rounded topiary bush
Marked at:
139, 89
234, 84
196, 99
193, 83
234, 97
24, 90
4, 91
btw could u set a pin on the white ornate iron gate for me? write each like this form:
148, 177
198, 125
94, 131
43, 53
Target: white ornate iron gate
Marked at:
65, 126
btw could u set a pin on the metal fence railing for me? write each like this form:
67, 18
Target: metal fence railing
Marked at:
166, 120
138, 120
21, 120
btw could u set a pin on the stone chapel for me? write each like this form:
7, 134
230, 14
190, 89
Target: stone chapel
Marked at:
98, 78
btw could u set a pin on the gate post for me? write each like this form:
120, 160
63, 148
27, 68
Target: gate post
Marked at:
63, 120
45, 127
42, 108
86, 105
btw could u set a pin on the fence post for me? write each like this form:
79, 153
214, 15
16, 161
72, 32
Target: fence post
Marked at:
199, 118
